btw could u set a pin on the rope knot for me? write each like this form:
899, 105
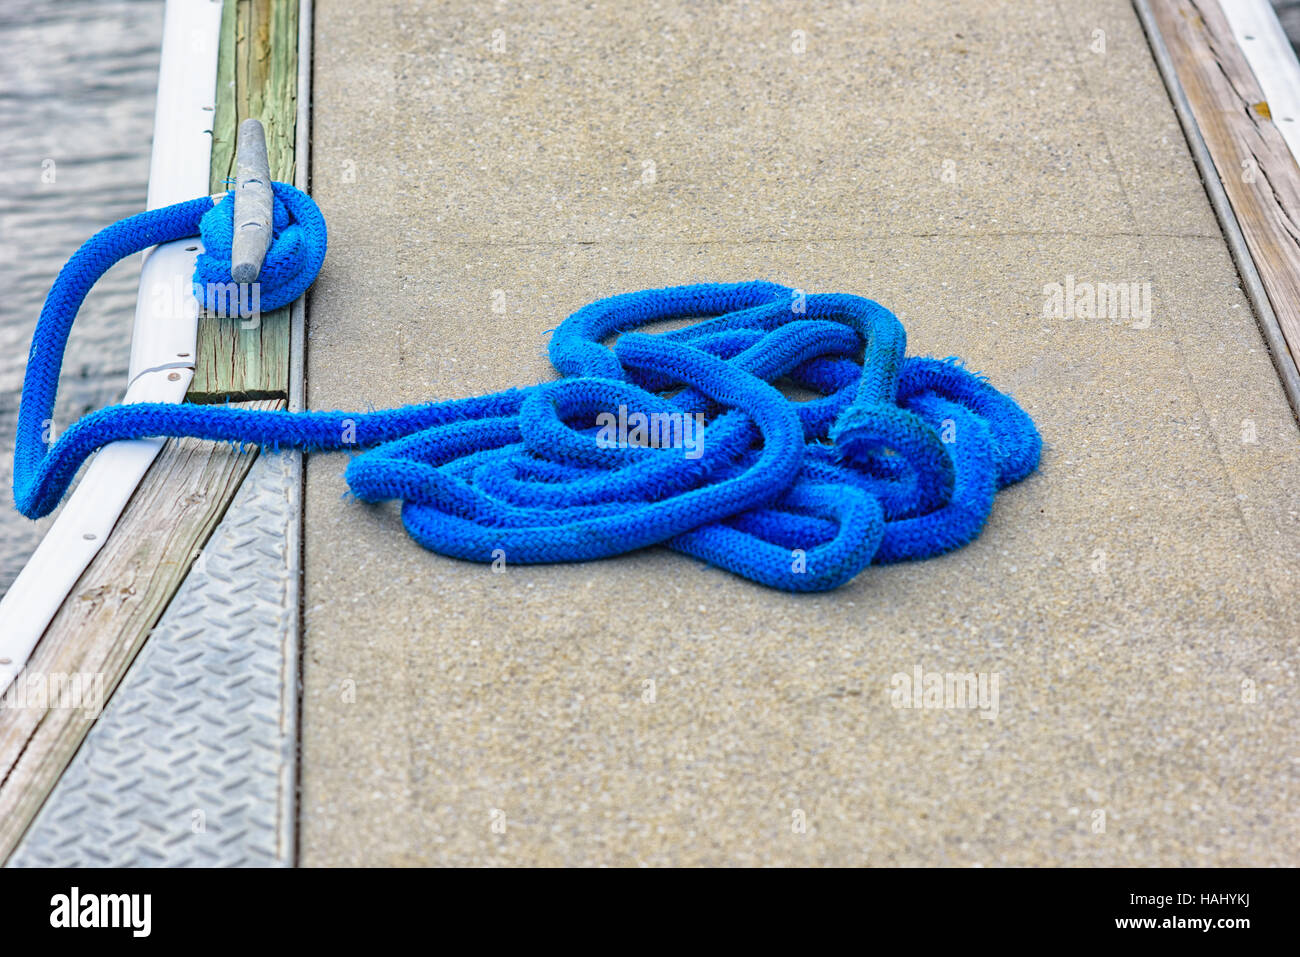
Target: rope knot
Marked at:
295, 256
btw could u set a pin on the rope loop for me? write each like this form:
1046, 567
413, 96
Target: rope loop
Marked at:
687, 438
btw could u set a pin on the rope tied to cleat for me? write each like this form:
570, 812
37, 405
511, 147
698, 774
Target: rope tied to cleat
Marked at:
893, 459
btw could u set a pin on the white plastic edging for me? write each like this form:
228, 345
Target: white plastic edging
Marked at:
163, 338
1272, 59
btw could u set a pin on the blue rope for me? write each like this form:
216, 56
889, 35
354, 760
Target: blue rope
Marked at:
893, 459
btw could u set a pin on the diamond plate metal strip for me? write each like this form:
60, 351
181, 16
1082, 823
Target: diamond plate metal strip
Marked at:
192, 762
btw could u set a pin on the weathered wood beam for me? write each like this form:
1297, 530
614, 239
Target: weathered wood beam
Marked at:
1257, 171
257, 77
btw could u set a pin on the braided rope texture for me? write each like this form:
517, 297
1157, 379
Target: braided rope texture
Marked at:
891, 459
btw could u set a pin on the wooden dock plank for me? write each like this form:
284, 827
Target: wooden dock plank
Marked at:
125, 590
1258, 172
257, 77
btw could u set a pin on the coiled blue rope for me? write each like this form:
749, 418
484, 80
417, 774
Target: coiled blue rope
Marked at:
894, 459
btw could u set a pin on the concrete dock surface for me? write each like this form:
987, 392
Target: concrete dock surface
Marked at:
488, 168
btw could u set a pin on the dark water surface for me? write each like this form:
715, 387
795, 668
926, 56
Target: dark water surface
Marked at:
1288, 14
78, 80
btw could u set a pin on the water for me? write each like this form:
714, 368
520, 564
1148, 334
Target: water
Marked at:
1288, 14
78, 80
